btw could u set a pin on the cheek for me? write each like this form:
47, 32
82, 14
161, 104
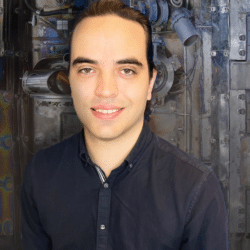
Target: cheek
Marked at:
139, 89
81, 91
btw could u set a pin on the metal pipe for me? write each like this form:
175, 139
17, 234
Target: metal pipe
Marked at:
186, 147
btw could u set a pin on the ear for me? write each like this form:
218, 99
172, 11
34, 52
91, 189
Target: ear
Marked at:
151, 84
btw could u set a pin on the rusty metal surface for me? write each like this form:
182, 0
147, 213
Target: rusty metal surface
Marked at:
240, 71
54, 120
237, 217
1, 28
6, 164
238, 29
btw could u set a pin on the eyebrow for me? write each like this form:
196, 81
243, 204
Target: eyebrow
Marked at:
79, 60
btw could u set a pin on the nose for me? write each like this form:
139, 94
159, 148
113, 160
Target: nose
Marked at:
106, 86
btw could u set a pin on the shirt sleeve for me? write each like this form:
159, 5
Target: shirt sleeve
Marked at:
33, 235
207, 222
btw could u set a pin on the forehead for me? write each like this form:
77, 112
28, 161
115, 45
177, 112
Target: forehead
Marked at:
108, 35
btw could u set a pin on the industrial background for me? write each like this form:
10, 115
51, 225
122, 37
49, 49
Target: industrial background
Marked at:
201, 99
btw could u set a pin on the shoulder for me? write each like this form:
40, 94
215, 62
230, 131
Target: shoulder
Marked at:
186, 175
47, 160
179, 159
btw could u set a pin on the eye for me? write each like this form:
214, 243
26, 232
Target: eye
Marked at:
85, 71
128, 72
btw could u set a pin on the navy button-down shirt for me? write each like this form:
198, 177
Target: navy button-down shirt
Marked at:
159, 198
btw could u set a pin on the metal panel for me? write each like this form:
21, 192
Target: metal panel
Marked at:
238, 29
220, 95
6, 165
1, 28
54, 121
206, 97
248, 209
245, 159
240, 75
237, 193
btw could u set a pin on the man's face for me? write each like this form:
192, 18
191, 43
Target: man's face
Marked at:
109, 76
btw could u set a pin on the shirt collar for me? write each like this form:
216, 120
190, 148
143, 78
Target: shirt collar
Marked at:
139, 147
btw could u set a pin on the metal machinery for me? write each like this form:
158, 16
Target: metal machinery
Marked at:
201, 100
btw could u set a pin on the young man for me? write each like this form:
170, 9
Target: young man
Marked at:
116, 185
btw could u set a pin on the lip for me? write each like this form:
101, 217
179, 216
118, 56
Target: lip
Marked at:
105, 107
103, 116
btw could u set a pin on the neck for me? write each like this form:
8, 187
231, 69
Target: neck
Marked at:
110, 154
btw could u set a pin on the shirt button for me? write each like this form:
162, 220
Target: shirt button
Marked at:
102, 227
130, 165
106, 185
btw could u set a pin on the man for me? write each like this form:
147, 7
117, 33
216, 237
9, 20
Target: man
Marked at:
116, 185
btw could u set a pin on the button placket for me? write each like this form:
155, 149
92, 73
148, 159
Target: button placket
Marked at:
103, 217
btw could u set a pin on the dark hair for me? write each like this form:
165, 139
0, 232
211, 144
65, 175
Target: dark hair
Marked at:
117, 7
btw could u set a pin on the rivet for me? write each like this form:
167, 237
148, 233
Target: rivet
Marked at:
241, 225
242, 37
213, 141
8, 142
213, 53
241, 211
242, 52
241, 97
242, 111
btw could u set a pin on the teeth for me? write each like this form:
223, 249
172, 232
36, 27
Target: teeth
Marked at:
107, 111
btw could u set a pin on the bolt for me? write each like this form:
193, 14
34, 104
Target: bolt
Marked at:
7, 142
242, 133
172, 109
158, 29
242, 52
242, 37
225, 10
226, 53
242, 111
213, 9
17, 10
241, 225
226, 97
213, 53
212, 97
241, 211
213, 141
7, 96
52, 48
241, 97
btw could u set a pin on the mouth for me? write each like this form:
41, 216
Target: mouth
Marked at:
106, 114
107, 111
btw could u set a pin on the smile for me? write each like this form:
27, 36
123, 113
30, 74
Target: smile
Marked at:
107, 111
106, 114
